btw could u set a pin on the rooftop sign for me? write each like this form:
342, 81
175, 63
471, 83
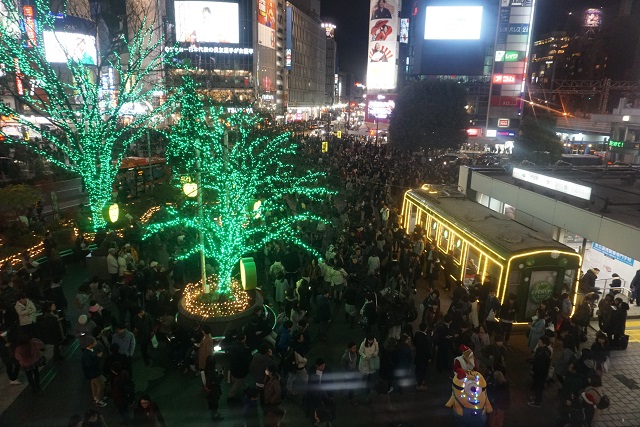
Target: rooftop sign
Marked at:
551, 183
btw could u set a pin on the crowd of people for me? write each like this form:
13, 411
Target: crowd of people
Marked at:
366, 280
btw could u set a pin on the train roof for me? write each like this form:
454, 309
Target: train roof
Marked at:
493, 229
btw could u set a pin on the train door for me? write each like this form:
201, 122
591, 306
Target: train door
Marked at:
532, 285
410, 216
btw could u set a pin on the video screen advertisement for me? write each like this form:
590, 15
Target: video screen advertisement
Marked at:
384, 29
379, 108
207, 22
267, 23
59, 46
454, 36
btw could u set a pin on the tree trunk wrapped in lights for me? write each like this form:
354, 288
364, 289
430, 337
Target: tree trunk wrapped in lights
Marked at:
245, 183
86, 134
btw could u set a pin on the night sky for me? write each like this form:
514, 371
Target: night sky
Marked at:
351, 19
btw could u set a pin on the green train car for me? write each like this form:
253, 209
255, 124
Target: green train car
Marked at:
481, 245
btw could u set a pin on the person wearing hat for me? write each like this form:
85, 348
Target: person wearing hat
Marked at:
587, 282
616, 284
466, 361
83, 330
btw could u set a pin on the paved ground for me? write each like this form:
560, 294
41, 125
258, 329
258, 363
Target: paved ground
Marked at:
65, 391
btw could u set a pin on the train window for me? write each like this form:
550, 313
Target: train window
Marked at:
411, 218
424, 219
493, 272
569, 281
471, 266
513, 281
458, 245
443, 242
433, 229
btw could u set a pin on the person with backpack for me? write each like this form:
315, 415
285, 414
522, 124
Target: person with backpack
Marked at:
594, 399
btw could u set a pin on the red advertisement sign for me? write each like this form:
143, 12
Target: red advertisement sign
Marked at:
503, 123
30, 26
504, 79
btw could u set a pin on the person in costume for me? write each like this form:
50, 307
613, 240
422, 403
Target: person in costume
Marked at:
469, 400
466, 361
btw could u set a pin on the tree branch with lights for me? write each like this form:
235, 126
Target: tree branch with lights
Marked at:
245, 178
86, 132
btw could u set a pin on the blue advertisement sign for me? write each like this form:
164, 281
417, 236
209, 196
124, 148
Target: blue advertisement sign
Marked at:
612, 254
289, 45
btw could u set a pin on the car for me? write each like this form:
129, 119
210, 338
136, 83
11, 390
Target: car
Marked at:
487, 160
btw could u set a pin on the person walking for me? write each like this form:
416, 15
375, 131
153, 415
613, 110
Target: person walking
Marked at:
369, 362
125, 340
204, 350
541, 365
112, 265
121, 391
27, 354
423, 345
258, 366
272, 390
147, 413
7, 355
499, 396
90, 361
50, 328
239, 363
26, 315
349, 363
144, 331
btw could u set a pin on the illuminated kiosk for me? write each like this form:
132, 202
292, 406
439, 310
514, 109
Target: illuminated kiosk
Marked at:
232, 311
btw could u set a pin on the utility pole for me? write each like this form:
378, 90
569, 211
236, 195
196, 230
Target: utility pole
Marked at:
203, 269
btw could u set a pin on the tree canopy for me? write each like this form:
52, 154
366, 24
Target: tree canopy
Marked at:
429, 114
537, 141
243, 181
85, 130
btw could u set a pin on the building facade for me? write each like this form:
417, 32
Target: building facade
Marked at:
306, 64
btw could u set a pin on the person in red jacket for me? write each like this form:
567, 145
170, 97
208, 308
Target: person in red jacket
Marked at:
28, 356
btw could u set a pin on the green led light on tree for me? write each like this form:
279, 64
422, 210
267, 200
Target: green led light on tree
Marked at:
233, 178
87, 133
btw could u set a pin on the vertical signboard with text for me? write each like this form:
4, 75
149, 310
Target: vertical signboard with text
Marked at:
383, 44
515, 18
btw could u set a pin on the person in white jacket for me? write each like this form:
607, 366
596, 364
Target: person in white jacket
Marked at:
26, 314
369, 362
112, 265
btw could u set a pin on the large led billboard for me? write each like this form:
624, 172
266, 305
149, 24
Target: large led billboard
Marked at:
383, 44
453, 23
267, 23
59, 46
207, 22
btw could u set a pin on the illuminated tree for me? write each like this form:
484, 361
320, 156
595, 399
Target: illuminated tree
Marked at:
233, 177
88, 128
